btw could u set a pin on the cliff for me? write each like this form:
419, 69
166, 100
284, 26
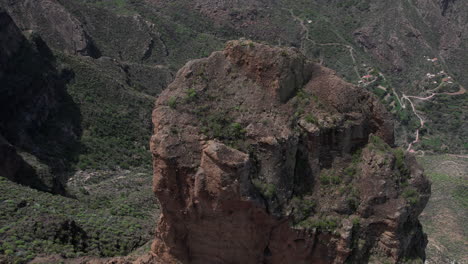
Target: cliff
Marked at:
261, 156
32, 103
59, 28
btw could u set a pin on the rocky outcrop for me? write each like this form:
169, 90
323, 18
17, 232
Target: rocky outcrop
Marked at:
24, 86
13, 167
59, 28
261, 156
31, 95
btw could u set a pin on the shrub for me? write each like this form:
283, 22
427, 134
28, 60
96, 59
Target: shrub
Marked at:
350, 171
172, 102
268, 190
310, 119
327, 179
324, 179
357, 156
378, 143
303, 208
353, 203
411, 195
191, 94
335, 179
400, 163
324, 224
356, 221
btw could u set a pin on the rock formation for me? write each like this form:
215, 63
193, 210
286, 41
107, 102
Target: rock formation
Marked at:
31, 93
59, 28
261, 156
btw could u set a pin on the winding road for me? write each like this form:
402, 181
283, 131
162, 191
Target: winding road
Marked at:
306, 37
461, 91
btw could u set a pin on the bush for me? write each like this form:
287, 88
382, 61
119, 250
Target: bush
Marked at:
356, 158
356, 221
191, 94
324, 224
400, 163
327, 179
350, 171
267, 190
311, 119
324, 179
411, 195
378, 143
303, 208
353, 203
172, 102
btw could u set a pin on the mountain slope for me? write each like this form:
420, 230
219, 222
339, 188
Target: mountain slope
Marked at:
97, 66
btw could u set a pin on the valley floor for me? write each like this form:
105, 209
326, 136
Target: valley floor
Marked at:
445, 216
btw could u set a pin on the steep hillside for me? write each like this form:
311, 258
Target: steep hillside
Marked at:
355, 37
79, 77
446, 213
32, 97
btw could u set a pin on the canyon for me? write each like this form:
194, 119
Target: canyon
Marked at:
287, 148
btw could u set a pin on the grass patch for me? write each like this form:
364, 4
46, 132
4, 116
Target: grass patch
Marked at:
460, 194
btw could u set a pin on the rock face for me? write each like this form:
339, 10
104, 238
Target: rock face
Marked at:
261, 156
26, 93
57, 26
13, 167
31, 94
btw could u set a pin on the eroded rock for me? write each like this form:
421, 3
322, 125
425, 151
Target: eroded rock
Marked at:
261, 156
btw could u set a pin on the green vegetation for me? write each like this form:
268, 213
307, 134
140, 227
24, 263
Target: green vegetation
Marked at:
172, 102
327, 178
351, 195
356, 221
350, 171
413, 261
303, 208
114, 118
222, 127
311, 119
461, 195
353, 203
411, 195
119, 6
191, 95
356, 158
114, 217
322, 224
378, 144
400, 162
268, 190
448, 180
445, 130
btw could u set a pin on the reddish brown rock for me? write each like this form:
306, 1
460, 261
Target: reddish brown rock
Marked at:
257, 160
